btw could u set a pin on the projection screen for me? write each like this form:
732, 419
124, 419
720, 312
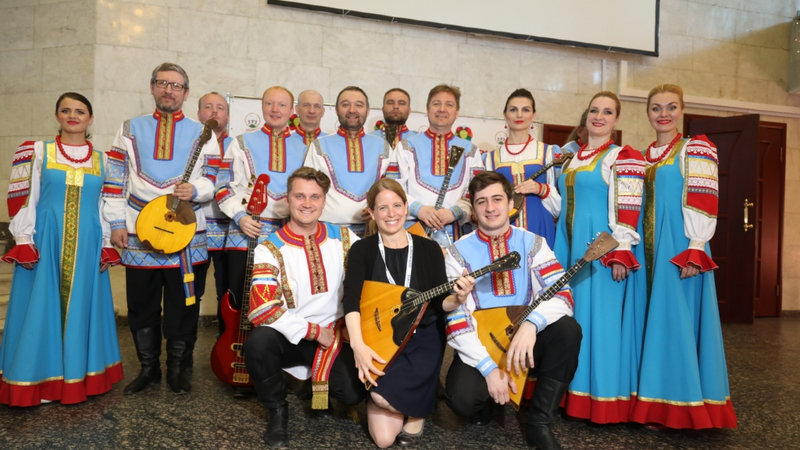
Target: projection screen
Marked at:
629, 26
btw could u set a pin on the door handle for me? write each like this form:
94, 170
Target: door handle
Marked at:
747, 226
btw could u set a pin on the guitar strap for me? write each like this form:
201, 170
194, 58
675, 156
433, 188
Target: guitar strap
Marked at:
321, 368
187, 272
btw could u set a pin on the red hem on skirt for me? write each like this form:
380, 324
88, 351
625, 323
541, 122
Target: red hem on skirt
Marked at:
58, 391
601, 412
692, 417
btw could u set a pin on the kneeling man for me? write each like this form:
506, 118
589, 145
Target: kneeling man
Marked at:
548, 342
296, 308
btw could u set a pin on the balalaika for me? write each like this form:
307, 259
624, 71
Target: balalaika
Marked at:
496, 326
390, 313
167, 224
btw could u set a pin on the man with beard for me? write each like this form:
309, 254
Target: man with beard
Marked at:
396, 109
423, 164
268, 151
214, 106
309, 110
148, 159
353, 161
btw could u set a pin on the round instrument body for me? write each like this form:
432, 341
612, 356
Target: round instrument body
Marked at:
164, 230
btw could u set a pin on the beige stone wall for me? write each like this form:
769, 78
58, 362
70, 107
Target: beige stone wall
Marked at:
727, 49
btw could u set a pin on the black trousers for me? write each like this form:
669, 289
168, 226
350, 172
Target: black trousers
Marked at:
555, 355
145, 288
236, 265
267, 351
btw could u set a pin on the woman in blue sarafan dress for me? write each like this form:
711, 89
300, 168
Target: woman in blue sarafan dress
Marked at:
683, 379
601, 190
60, 338
521, 156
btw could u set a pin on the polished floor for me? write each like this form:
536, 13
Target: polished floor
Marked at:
763, 362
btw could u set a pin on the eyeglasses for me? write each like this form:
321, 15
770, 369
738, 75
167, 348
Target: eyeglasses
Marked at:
162, 84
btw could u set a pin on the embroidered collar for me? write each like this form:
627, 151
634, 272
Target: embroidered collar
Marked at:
489, 239
268, 130
342, 132
435, 136
291, 238
178, 116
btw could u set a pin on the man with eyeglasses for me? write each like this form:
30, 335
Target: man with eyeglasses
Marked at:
148, 159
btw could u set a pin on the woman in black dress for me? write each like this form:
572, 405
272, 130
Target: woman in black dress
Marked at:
408, 386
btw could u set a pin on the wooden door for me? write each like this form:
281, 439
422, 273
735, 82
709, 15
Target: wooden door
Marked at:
769, 214
734, 244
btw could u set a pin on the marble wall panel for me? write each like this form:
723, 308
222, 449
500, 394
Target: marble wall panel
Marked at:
295, 77
482, 99
247, 8
7, 4
753, 90
763, 63
15, 118
208, 33
375, 84
732, 4
647, 77
128, 68
353, 49
674, 52
423, 57
708, 85
713, 56
781, 8
366, 25
285, 42
21, 71
218, 73
763, 30
68, 68
168, 3
17, 30
711, 22
430, 34
287, 14
560, 108
790, 287
492, 66
590, 76
549, 72
43, 108
64, 24
778, 94
672, 17
133, 25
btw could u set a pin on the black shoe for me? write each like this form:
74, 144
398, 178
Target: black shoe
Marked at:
243, 391
324, 413
177, 378
277, 435
484, 416
405, 439
148, 350
544, 404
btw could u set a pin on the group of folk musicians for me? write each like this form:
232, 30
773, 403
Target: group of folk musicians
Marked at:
352, 259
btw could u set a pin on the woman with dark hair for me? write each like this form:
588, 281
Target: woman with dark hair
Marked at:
578, 136
601, 190
392, 255
60, 338
683, 336
521, 156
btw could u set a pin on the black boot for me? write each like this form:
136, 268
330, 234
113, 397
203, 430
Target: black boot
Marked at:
484, 416
272, 395
544, 404
176, 378
148, 349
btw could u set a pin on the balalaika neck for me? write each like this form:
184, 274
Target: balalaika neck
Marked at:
551, 291
445, 187
447, 287
189, 169
252, 243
